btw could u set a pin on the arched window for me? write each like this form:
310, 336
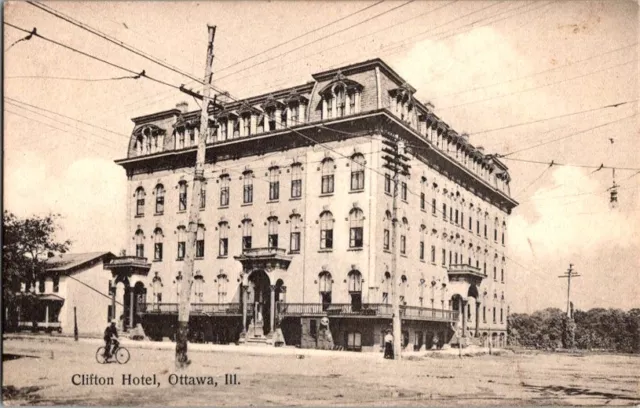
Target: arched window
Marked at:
156, 286
341, 101
157, 244
139, 244
222, 288
328, 169
357, 172
182, 236
273, 232
140, 201
246, 234
324, 284
326, 230
200, 241
223, 247
294, 240
182, 196
386, 235
159, 199
198, 287
356, 227
386, 287
355, 289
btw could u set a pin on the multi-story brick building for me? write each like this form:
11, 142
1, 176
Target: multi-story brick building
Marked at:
295, 218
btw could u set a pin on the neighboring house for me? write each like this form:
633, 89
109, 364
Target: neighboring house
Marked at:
71, 281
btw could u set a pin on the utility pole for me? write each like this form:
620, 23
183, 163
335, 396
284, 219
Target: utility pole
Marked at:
568, 275
396, 161
198, 177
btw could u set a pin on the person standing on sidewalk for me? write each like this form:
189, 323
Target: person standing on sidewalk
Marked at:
388, 345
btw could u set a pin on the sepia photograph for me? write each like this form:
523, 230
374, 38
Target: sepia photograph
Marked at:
321, 203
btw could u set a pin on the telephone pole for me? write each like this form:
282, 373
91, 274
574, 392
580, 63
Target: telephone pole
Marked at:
396, 161
198, 177
568, 275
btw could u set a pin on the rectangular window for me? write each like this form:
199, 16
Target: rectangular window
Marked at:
296, 188
484, 314
385, 240
159, 204
326, 239
456, 219
501, 315
387, 183
181, 248
444, 211
444, 256
140, 206
140, 250
203, 196
273, 241
41, 285
485, 230
403, 244
450, 258
56, 284
295, 114
434, 206
422, 250
422, 202
157, 251
470, 224
200, 248
224, 247
327, 184
274, 190
502, 275
484, 268
246, 242
503, 238
433, 253
451, 213
494, 314
182, 204
357, 179
313, 328
478, 227
495, 273
224, 191
295, 242
247, 194
495, 235
355, 237
246, 125
403, 191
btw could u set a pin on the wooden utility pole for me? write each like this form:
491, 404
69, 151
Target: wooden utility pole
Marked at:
397, 163
568, 275
194, 211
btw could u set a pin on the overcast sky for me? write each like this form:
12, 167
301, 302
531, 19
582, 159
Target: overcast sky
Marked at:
484, 65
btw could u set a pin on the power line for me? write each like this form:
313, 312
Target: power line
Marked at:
584, 166
300, 36
71, 78
535, 180
316, 40
539, 86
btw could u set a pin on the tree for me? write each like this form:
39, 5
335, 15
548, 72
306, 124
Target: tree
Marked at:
26, 244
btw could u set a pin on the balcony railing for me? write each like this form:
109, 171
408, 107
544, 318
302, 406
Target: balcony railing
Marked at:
265, 251
372, 310
465, 270
196, 308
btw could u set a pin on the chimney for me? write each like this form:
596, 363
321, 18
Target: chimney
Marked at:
182, 106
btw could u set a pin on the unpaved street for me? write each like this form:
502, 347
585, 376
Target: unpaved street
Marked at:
299, 378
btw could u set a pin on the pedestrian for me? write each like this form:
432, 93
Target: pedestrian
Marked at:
388, 345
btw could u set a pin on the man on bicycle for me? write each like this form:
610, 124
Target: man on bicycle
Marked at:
110, 339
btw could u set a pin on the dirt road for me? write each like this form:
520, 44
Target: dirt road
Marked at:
51, 368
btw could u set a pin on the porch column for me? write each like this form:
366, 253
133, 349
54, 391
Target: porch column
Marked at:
131, 300
273, 307
477, 318
46, 314
243, 301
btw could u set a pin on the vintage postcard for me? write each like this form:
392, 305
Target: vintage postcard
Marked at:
320, 203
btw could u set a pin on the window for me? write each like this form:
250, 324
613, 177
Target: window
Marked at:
198, 283
181, 242
192, 136
139, 244
181, 138
296, 180
274, 183
156, 286
223, 130
444, 211
283, 118
444, 257
387, 183
502, 275
501, 315
485, 230
403, 244
357, 172
140, 202
324, 287
203, 195
271, 115
224, 190
356, 226
341, 102
326, 230
294, 240
200, 241
422, 202
354, 341
403, 191
502, 237
247, 189
246, 234
352, 103
484, 314
222, 288
260, 124
385, 240
386, 287
354, 279
433, 254
328, 168
495, 273
157, 244
329, 102
41, 285
478, 227
236, 128
294, 108
159, 199
484, 268
56, 284
223, 246
470, 224
434, 206
403, 288
273, 232
456, 219
422, 249
246, 125
182, 196
494, 315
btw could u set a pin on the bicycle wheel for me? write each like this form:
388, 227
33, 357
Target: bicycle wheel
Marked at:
100, 355
122, 355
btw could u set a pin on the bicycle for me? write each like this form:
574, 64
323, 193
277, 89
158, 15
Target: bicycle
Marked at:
120, 353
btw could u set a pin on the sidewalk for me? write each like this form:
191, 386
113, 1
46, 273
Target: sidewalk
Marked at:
470, 351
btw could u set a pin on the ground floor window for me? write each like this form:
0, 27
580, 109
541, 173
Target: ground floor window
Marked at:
353, 341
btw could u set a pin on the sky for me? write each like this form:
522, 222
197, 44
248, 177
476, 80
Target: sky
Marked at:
530, 78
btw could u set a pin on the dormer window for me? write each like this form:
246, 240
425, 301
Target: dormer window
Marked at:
181, 138
260, 124
295, 113
223, 130
340, 97
271, 114
236, 128
329, 101
246, 125
341, 101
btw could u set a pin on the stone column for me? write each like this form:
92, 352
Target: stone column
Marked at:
131, 306
243, 304
477, 317
272, 317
